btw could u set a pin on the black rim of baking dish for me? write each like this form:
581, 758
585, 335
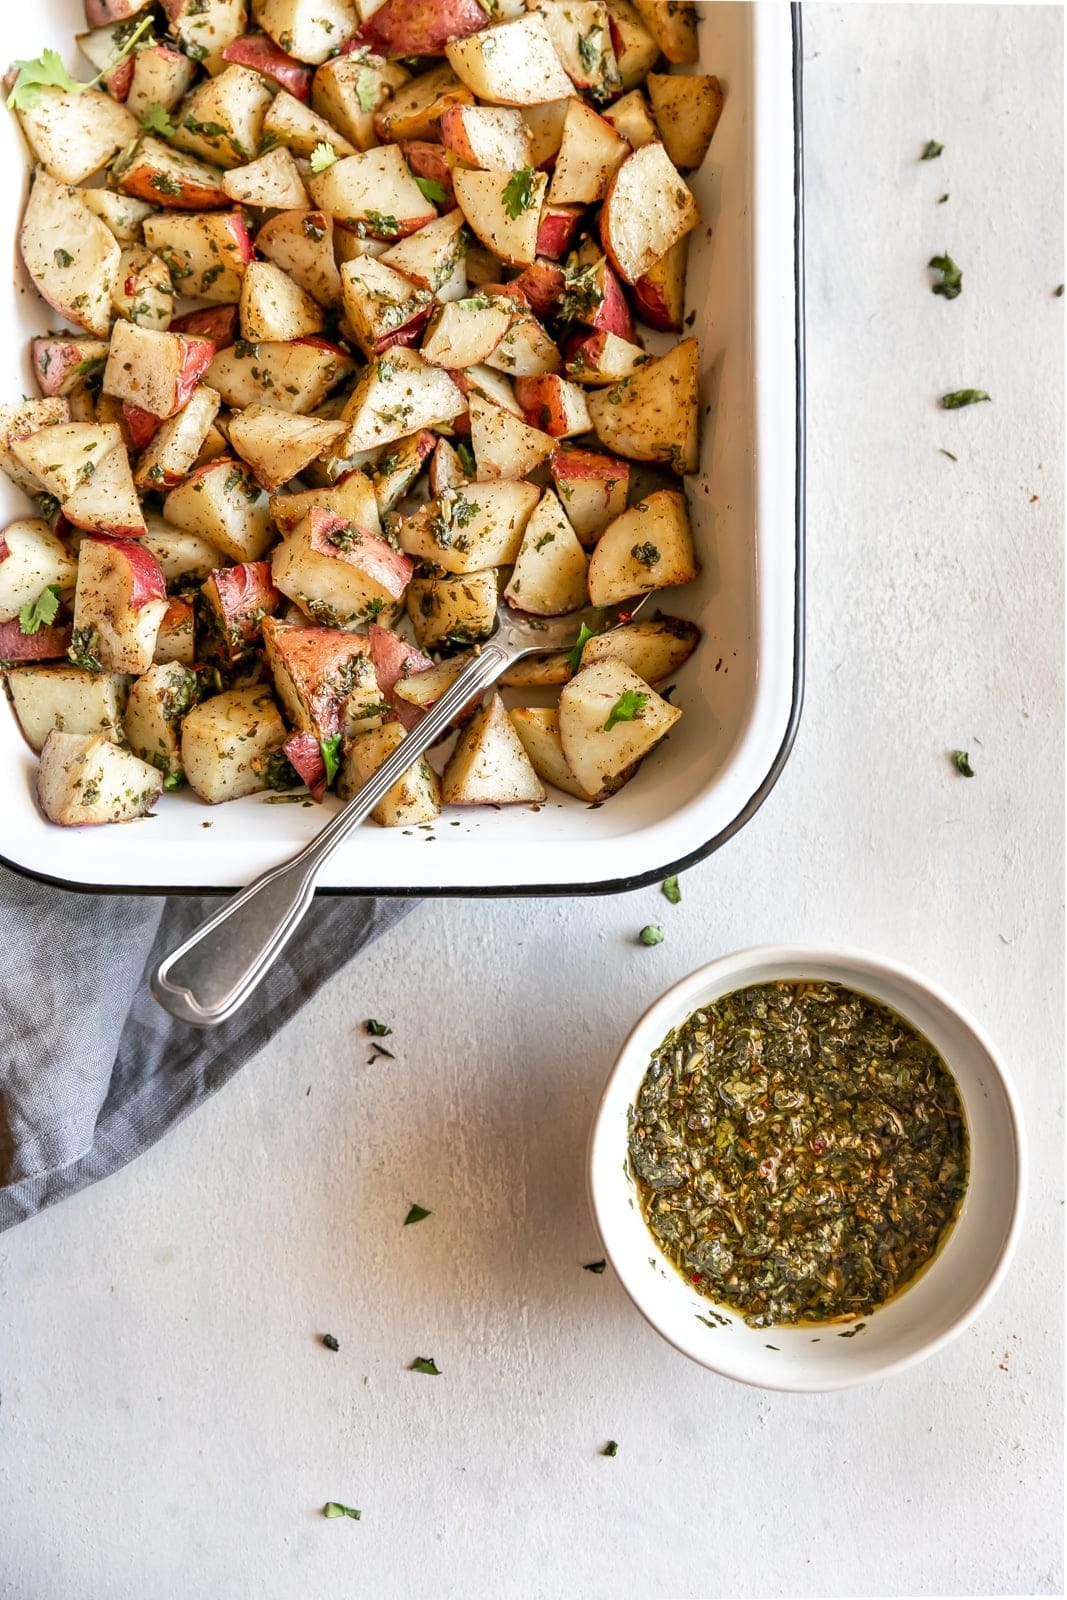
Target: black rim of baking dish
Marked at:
642, 879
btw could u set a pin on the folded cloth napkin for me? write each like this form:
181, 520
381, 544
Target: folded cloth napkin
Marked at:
92, 1070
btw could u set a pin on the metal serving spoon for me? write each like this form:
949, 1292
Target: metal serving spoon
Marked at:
213, 973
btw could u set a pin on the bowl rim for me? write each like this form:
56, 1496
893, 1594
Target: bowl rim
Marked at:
789, 956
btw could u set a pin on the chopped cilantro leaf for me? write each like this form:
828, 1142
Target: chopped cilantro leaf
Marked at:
962, 762
416, 1214
425, 1364
157, 120
433, 191
963, 397
671, 889
951, 277
932, 150
324, 155
39, 612
330, 1342
594, 1266
574, 659
519, 193
331, 756
377, 1029
627, 708
366, 89
651, 934
611, 1448
334, 1508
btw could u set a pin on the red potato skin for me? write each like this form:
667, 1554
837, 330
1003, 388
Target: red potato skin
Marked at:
312, 656
427, 160
322, 344
242, 596
421, 27
141, 427
539, 399
387, 567
118, 81
217, 323
556, 231
53, 358
304, 754
653, 306
262, 55
197, 356
179, 614
408, 335
136, 181
146, 575
613, 314
588, 464
49, 643
394, 658
541, 286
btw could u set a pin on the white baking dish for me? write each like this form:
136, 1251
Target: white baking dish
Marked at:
741, 690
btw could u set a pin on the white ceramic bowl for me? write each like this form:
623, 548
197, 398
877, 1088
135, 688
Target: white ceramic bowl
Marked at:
942, 1300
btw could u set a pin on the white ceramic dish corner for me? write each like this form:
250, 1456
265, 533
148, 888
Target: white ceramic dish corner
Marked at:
740, 692
942, 1301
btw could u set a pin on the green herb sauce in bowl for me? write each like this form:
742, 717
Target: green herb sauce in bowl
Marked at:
800, 1152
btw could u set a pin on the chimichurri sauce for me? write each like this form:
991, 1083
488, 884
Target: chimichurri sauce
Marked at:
800, 1151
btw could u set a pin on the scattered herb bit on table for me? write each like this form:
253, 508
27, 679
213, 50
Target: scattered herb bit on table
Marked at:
328, 1339
1058, 292
416, 1214
378, 1029
948, 453
963, 397
800, 1152
961, 760
611, 1448
651, 935
671, 890
931, 151
951, 283
334, 1508
594, 1266
425, 1364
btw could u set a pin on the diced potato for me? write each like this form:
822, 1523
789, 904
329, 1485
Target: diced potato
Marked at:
654, 649
512, 64
62, 457
85, 778
351, 498
581, 33
465, 332
222, 120
19, 422
469, 529
156, 372
32, 559
504, 211
631, 118
274, 308
415, 111
301, 243
153, 171
649, 547
398, 394
74, 135
300, 129
635, 48
174, 450
144, 293
227, 742
349, 89
504, 446
158, 701
176, 639
673, 25
72, 257
236, 601
655, 414
122, 214
549, 578
424, 689
293, 377
271, 181
554, 405
593, 488
395, 472
67, 698
659, 296
373, 193
609, 719
381, 305
494, 137
434, 257
277, 445
489, 765
545, 123
119, 603
205, 27
414, 798
446, 469
315, 671
62, 361
687, 111
422, 27
310, 30
538, 728
600, 360
339, 574
525, 351
107, 502
185, 558
161, 77
538, 672
647, 210
590, 155
222, 503
447, 612
207, 255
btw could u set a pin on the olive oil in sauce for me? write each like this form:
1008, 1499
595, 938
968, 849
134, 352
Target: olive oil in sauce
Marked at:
800, 1152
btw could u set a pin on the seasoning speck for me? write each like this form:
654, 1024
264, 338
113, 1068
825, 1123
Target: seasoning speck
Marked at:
611, 1448
330, 1342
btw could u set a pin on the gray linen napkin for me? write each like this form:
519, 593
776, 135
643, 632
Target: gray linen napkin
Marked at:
92, 1070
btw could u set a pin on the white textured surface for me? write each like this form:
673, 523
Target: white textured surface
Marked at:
170, 1426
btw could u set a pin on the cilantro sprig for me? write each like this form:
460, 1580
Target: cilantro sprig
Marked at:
323, 156
433, 191
47, 71
331, 756
157, 120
